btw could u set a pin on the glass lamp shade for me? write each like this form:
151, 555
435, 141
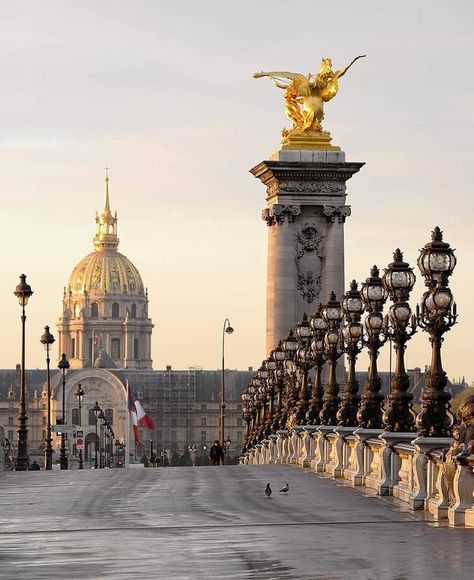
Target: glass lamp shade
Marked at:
399, 276
262, 372
290, 344
374, 322
332, 338
279, 353
373, 291
436, 260
23, 291
439, 301
400, 313
318, 322
352, 304
47, 339
352, 332
303, 329
271, 363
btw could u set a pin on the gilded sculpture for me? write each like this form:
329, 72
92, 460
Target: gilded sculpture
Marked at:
304, 103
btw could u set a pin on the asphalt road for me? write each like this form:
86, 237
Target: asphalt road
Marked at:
214, 522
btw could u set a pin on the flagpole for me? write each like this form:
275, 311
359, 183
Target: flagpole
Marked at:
127, 438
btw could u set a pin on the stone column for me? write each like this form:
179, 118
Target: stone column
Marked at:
306, 194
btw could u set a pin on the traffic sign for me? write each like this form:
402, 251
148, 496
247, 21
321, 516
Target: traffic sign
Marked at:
64, 428
79, 439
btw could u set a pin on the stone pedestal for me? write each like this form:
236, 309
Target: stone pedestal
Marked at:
305, 214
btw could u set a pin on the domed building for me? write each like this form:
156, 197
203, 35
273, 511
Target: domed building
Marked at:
105, 306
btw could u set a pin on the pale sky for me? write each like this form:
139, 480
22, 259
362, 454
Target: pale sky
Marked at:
162, 93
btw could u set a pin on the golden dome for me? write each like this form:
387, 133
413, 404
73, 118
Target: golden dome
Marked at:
105, 270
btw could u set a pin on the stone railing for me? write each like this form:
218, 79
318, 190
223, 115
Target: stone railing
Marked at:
403, 465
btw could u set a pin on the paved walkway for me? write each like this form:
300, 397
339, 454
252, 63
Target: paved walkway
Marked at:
214, 522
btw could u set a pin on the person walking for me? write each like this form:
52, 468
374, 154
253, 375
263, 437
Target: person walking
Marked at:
216, 453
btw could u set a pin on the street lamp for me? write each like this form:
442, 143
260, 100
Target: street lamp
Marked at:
63, 366
278, 355
47, 340
101, 417
226, 329
332, 316
304, 361
374, 296
80, 396
23, 292
399, 280
96, 409
317, 346
290, 347
437, 315
352, 333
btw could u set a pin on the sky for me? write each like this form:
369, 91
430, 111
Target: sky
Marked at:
162, 93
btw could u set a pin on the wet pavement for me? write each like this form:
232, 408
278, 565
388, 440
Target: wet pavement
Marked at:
215, 522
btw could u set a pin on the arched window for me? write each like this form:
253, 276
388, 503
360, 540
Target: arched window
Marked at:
203, 422
77, 310
115, 348
115, 310
91, 417
94, 310
133, 313
75, 416
109, 415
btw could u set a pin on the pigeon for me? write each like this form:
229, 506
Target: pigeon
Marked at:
286, 489
268, 490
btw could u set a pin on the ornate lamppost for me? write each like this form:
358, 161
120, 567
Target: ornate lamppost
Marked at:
318, 325
23, 292
96, 409
278, 356
332, 316
226, 329
290, 346
270, 366
101, 417
304, 361
47, 340
352, 333
399, 280
247, 417
374, 296
436, 316
80, 395
63, 366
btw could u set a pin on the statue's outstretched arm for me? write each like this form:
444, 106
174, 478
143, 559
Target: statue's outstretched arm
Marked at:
279, 74
338, 74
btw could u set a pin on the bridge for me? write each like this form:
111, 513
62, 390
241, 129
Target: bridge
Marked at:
216, 522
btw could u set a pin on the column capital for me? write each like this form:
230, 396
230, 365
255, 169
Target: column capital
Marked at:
331, 212
277, 213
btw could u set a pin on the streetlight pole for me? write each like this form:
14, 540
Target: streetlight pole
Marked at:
226, 329
47, 340
101, 416
80, 395
96, 409
63, 367
23, 292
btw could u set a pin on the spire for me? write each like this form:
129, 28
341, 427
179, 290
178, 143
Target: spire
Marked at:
107, 202
106, 230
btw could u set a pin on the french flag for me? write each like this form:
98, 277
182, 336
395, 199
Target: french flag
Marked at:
137, 415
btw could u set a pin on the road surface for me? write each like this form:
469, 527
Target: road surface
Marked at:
215, 522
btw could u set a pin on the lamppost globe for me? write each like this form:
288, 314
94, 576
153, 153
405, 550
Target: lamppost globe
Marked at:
436, 260
23, 291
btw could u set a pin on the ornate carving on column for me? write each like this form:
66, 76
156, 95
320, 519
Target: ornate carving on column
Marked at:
276, 213
309, 258
331, 212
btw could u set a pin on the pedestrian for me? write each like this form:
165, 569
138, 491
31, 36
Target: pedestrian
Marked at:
216, 453
34, 466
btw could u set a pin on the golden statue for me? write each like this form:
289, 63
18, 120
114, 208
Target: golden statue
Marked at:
304, 103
